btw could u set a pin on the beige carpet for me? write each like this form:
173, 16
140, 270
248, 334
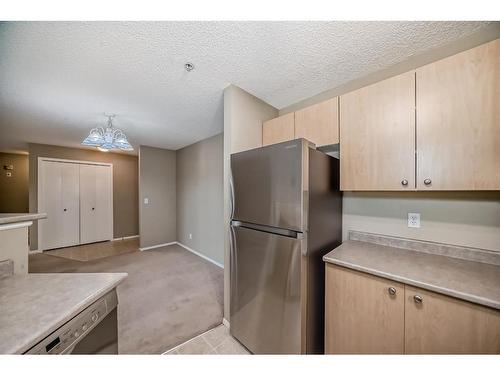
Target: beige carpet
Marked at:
170, 296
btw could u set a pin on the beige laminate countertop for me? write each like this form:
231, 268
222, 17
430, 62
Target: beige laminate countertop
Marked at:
468, 280
32, 306
17, 218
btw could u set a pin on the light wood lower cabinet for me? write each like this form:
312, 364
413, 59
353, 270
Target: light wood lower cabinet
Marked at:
362, 316
437, 324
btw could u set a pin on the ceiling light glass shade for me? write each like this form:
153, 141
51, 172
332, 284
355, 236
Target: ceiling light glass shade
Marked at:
108, 138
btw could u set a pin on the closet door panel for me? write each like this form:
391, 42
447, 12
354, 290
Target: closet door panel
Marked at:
103, 213
70, 233
58, 197
49, 201
88, 226
96, 203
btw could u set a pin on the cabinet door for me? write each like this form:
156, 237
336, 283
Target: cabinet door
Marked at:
443, 325
377, 136
96, 218
319, 123
279, 129
458, 121
58, 197
362, 316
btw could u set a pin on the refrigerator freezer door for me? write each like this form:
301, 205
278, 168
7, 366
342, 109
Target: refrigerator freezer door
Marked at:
267, 186
265, 291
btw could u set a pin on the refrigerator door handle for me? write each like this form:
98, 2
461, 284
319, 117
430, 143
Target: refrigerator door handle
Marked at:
231, 196
267, 229
233, 269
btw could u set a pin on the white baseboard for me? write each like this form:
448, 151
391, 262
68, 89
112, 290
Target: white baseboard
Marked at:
185, 247
200, 255
225, 322
125, 238
157, 246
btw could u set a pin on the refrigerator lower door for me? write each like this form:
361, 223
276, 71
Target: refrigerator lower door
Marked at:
265, 291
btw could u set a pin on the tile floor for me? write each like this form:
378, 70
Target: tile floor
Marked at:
215, 341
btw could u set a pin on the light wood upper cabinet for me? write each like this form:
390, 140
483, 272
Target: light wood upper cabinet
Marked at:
458, 121
362, 316
377, 136
319, 123
444, 325
279, 129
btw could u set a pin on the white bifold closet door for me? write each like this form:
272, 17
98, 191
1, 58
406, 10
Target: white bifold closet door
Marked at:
59, 198
78, 200
96, 203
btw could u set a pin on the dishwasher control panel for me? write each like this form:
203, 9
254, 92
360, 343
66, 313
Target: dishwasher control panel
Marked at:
68, 335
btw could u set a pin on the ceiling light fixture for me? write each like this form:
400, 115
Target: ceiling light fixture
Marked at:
108, 138
189, 66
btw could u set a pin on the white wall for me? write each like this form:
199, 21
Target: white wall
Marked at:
243, 117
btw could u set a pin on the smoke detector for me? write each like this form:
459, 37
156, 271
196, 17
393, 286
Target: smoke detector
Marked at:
189, 66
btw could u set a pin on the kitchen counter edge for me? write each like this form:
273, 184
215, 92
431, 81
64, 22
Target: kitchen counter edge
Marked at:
338, 257
18, 218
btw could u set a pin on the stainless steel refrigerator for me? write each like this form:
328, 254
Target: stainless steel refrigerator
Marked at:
286, 213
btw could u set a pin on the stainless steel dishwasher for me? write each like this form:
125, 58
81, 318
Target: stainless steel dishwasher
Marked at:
92, 331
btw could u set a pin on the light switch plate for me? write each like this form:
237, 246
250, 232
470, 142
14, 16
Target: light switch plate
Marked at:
413, 220
146, 200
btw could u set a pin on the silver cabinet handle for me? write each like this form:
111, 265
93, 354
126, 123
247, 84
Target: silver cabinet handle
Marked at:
427, 181
417, 299
392, 291
404, 182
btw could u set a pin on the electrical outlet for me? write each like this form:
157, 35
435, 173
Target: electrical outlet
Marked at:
190, 236
413, 220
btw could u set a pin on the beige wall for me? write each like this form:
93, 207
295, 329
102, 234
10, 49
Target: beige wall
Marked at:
243, 117
14, 246
125, 184
157, 175
200, 197
461, 218
14, 191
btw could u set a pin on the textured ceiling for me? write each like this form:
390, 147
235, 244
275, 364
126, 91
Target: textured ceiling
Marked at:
57, 78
